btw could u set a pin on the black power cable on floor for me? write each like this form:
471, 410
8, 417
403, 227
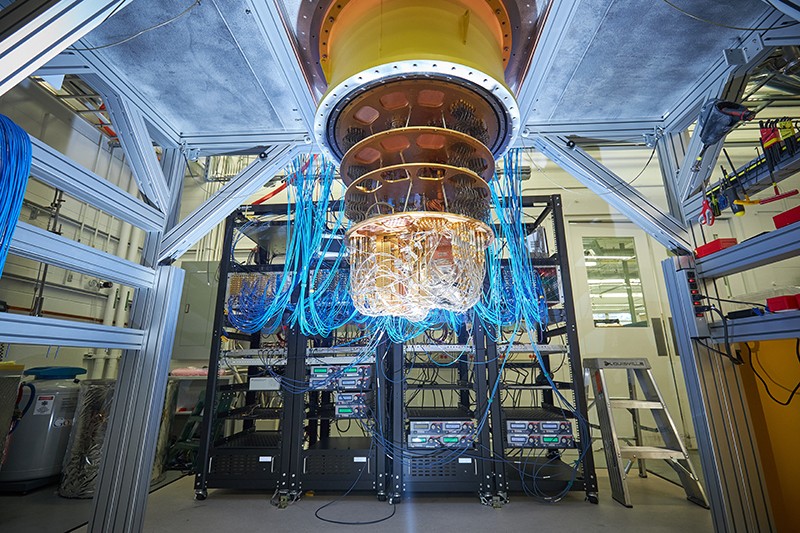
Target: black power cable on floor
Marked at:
365, 522
766, 386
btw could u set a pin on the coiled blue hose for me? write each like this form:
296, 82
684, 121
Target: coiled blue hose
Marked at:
15, 169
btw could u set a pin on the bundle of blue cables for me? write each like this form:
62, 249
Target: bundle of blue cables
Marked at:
15, 168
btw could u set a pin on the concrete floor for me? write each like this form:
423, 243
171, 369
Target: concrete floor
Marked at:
659, 506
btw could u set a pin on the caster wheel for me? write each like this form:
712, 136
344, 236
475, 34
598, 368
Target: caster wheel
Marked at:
382, 497
592, 498
200, 495
394, 500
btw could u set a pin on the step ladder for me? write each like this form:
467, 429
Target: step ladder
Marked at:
673, 452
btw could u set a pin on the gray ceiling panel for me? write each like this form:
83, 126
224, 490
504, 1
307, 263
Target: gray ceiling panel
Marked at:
629, 59
207, 72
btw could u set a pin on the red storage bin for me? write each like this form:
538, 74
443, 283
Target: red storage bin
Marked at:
782, 303
714, 246
787, 217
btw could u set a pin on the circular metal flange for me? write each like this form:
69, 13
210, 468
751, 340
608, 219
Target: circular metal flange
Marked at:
481, 83
417, 187
428, 144
415, 102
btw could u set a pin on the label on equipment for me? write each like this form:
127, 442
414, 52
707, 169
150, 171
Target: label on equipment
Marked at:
464, 461
44, 405
359, 459
264, 458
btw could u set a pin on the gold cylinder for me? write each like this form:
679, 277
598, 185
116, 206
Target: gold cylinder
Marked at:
360, 34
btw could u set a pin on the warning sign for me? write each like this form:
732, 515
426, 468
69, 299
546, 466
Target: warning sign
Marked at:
44, 405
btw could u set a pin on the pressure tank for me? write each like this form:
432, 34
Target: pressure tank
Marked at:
39, 440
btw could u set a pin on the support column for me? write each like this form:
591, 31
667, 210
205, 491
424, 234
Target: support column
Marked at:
732, 474
130, 443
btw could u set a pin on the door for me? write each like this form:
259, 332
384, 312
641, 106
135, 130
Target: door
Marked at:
621, 311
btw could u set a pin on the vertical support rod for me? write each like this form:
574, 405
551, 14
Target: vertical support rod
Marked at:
382, 457
293, 415
496, 407
486, 486
209, 409
397, 420
589, 476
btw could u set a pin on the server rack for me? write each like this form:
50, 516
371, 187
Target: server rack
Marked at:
521, 469
250, 458
462, 467
301, 453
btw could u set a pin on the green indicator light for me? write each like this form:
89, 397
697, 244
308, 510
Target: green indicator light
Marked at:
418, 439
345, 410
550, 440
319, 370
450, 440
350, 370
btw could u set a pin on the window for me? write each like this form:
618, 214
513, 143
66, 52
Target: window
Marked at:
615, 285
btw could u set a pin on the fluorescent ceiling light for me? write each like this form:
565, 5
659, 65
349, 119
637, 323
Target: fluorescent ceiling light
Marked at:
616, 295
611, 257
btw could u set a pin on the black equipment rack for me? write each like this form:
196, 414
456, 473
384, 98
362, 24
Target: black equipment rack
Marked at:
300, 453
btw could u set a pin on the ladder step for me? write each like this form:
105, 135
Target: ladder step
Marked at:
635, 404
650, 452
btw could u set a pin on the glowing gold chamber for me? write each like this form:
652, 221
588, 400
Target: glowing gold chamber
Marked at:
417, 112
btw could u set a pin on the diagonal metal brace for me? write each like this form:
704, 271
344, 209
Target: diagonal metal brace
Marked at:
619, 194
137, 143
203, 219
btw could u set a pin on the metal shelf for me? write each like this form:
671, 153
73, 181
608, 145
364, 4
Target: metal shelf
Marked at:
757, 251
561, 385
759, 328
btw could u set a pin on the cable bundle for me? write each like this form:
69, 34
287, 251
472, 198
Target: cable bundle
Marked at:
15, 168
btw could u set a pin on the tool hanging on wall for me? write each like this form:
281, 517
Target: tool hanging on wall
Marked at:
730, 179
717, 119
770, 145
788, 133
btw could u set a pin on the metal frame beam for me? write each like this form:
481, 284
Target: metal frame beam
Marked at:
626, 130
203, 219
24, 329
174, 168
130, 441
129, 123
67, 62
726, 80
623, 197
280, 42
770, 247
32, 32
208, 144
773, 326
60, 172
47, 247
